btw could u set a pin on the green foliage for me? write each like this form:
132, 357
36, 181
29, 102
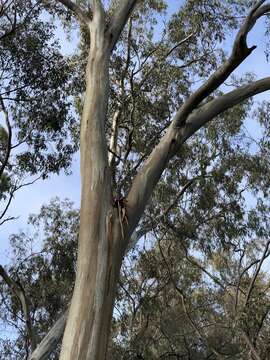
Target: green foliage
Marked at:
35, 83
44, 263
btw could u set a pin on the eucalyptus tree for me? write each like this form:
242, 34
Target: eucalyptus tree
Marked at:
140, 102
107, 222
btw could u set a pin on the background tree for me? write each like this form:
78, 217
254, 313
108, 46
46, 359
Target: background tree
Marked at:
45, 272
38, 132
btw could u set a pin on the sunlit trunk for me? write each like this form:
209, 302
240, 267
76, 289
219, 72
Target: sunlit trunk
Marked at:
99, 255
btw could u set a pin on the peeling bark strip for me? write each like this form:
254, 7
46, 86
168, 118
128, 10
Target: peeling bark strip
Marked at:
101, 241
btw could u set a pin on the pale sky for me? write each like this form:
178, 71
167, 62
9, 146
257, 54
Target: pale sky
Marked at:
30, 199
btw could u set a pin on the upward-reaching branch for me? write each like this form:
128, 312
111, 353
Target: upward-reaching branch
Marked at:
82, 15
251, 286
239, 53
150, 173
119, 19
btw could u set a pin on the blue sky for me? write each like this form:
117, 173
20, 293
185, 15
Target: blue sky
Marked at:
30, 199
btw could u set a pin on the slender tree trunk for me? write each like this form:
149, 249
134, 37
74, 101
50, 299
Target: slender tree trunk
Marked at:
100, 253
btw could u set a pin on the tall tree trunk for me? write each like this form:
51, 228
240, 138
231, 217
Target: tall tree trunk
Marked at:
99, 255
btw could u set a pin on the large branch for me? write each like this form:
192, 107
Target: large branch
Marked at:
119, 19
240, 52
51, 340
83, 16
217, 106
187, 120
149, 175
